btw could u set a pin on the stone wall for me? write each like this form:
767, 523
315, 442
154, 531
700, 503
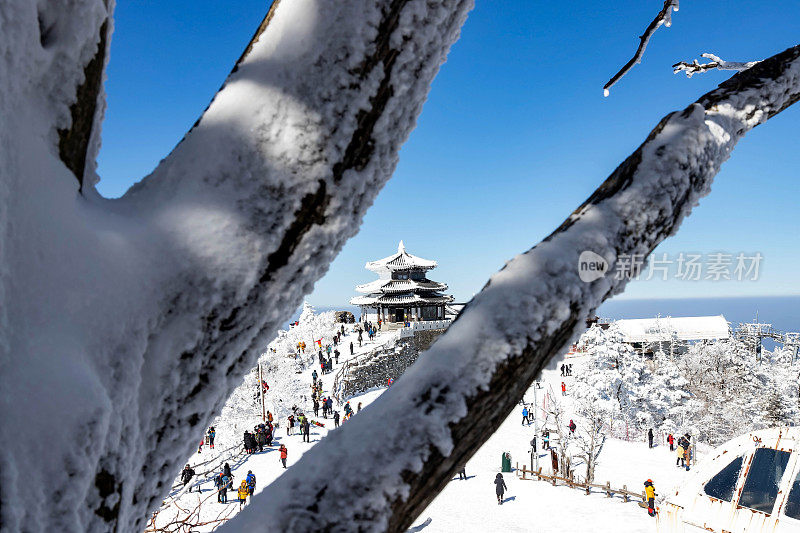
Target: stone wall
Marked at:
422, 340
375, 371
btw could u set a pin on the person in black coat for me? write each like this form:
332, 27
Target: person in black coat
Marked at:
268, 434
650, 437
249, 442
186, 476
499, 487
226, 471
306, 427
336, 418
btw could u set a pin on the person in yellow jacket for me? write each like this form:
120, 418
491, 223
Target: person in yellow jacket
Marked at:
680, 460
650, 492
243, 493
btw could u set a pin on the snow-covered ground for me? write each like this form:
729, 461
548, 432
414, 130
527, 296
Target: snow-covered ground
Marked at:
464, 505
538, 506
288, 386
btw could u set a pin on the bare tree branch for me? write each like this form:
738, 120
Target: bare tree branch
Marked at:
716, 63
664, 17
408, 443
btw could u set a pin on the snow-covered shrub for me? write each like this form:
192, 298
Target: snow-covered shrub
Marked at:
715, 390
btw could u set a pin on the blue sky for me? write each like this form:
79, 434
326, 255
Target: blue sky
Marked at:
514, 136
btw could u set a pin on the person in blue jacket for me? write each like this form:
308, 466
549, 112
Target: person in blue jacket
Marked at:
251, 482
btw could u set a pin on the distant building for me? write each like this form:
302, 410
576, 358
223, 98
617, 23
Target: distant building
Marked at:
672, 333
403, 293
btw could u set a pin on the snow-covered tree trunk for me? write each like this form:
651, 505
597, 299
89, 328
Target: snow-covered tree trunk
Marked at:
125, 324
389, 462
590, 438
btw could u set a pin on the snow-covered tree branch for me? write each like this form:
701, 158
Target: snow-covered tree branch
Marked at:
389, 462
125, 324
664, 17
715, 63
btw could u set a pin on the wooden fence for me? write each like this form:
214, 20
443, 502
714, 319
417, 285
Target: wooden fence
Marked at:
572, 483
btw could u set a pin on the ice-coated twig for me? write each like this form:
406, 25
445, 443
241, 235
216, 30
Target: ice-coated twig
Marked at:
664, 17
716, 63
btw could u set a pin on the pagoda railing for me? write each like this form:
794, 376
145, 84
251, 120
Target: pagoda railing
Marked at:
423, 325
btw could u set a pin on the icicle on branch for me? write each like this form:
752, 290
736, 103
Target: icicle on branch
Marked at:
664, 17
460, 391
696, 67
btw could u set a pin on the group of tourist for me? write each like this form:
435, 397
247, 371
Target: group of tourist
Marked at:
369, 329
326, 363
327, 406
261, 436
223, 481
685, 450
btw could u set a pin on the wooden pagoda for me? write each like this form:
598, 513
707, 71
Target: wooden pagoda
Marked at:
402, 293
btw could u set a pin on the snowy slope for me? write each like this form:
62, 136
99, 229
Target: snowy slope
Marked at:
289, 380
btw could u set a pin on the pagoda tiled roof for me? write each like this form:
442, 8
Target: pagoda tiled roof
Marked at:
402, 299
400, 285
402, 260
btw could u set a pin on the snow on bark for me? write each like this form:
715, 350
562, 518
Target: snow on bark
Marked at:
127, 323
386, 465
716, 63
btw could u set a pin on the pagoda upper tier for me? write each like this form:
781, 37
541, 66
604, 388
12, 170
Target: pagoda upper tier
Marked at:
390, 286
402, 260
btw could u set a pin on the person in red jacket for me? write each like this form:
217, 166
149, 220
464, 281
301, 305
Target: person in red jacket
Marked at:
284, 454
671, 442
563, 389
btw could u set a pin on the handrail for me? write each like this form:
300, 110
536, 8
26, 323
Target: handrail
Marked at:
570, 482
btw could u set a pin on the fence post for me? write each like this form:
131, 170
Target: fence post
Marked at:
625, 493
524, 471
539, 473
608, 489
